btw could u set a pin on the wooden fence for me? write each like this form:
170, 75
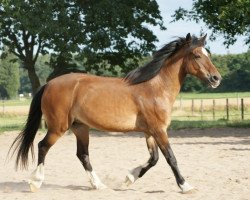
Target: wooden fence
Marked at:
212, 109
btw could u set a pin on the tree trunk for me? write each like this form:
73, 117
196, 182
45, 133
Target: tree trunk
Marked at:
34, 80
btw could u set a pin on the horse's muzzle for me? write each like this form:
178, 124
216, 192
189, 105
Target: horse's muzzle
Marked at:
214, 80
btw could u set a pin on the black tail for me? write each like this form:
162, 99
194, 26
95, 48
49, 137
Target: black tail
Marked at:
24, 141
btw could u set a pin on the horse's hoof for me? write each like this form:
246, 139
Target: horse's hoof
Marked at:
130, 179
36, 178
186, 188
99, 186
34, 186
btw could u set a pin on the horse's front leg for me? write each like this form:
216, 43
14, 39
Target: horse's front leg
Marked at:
163, 143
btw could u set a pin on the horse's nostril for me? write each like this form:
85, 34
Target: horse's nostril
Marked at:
215, 78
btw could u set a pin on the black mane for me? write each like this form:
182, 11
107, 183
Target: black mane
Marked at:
151, 69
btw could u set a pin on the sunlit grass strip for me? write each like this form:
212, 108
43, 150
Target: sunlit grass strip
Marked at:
213, 95
16, 102
176, 124
11, 122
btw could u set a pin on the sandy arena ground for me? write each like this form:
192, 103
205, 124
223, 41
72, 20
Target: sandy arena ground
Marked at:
215, 161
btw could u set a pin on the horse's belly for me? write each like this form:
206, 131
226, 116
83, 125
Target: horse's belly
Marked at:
108, 115
109, 122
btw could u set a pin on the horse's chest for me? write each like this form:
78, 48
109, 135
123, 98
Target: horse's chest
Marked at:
162, 112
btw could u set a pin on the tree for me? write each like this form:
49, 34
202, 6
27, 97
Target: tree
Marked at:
9, 76
237, 77
22, 31
102, 30
192, 84
42, 69
230, 18
119, 32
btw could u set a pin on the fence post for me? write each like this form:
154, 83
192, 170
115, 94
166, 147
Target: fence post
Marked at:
227, 108
201, 109
242, 109
213, 109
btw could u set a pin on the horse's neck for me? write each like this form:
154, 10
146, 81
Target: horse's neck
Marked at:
172, 76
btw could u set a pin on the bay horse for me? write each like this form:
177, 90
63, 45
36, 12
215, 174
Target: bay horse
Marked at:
142, 101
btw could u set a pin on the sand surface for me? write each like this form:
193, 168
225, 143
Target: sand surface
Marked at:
215, 161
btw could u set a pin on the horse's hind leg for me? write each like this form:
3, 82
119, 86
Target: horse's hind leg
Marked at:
37, 177
138, 172
82, 135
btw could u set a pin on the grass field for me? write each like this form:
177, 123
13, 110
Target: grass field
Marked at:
178, 124
213, 95
11, 122
15, 102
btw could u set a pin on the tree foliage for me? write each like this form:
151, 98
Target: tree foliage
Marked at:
230, 18
9, 76
236, 71
103, 33
119, 30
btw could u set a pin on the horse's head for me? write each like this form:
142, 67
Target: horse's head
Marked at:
198, 63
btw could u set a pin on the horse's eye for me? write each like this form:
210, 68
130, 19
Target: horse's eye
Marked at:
197, 56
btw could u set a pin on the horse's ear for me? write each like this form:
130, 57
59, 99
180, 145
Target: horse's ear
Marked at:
188, 37
202, 40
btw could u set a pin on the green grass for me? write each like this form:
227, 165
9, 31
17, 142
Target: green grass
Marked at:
176, 125
11, 122
207, 115
213, 95
15, 102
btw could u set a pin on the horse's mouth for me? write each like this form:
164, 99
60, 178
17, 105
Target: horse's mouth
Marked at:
213, 80
213, 84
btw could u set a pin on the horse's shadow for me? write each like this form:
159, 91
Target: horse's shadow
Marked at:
10, 187
23, 187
